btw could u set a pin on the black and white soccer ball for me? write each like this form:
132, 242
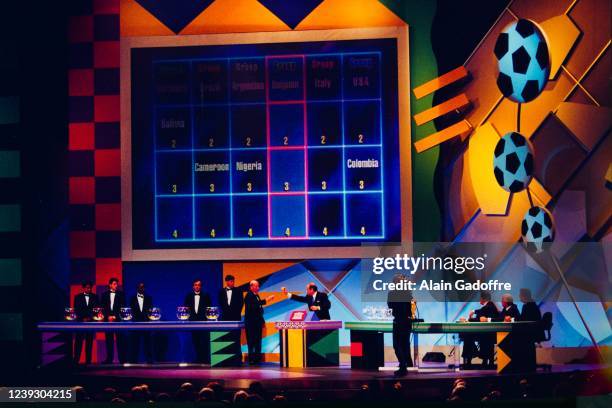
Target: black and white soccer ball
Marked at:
537, 229
513, 162
523, 61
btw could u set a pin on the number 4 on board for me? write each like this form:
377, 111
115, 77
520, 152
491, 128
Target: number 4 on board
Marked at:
175, 234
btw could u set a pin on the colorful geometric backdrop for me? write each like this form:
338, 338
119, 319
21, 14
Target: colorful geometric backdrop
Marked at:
454, 197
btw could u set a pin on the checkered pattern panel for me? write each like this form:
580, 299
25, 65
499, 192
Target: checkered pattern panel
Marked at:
94, 155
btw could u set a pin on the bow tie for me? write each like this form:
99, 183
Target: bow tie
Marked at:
196, 294
86, 295
228, 289
140, 296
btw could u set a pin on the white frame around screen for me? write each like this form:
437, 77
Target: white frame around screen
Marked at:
400, 33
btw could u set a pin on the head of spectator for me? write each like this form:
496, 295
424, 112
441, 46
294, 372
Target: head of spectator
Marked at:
206, 394
217, 388
240, 396
163, 397
186, 392
80, 393
279, 399
257, 388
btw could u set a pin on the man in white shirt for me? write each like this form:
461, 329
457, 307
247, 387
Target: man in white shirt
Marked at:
197, 302
112, 301
231, 300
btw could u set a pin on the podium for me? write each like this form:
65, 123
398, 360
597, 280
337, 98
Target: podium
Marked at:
308, 342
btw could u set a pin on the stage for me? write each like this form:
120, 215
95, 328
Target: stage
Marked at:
321, 383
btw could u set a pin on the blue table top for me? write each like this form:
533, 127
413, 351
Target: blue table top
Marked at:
129, 326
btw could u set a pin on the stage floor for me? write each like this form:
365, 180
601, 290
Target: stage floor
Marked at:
276, 378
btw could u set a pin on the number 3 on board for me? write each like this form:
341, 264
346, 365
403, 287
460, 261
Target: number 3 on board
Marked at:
213, 233
286, 186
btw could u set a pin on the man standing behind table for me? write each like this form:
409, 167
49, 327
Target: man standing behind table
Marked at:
197, 302
112, 301
316, 301
531, 312
231, 300
83, 307
140, 304
254, 320
400, 302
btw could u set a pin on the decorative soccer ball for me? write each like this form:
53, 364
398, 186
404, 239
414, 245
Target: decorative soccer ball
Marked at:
537, 229
523, 61
513, 162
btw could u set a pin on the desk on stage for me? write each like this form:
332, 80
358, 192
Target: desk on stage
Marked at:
309, 343
224, 337
515, 346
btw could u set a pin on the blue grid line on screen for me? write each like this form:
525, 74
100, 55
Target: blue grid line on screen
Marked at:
191, 128
382, 166
229, 140
344, 216
238, 149
269, 148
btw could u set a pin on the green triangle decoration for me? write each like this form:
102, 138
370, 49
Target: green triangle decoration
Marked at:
217, 334
325, 345
216, 359
219, 345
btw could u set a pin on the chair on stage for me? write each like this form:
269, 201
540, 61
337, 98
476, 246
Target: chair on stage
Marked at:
546, 324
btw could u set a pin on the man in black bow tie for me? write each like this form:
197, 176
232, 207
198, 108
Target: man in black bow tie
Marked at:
140, 304
83, 306
231, 300
112, 302
197, 302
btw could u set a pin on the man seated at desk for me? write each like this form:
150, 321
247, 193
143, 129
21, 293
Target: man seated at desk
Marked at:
509, 312
317, 302
487, 313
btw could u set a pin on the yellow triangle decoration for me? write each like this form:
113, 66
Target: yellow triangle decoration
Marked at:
235, 16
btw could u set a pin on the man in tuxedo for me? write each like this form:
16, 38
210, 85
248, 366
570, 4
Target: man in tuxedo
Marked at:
112, 301
317, 302
254, 320
84, 303
400, 302
197, 302
140, 304
487, 313
509, 309
231, 300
